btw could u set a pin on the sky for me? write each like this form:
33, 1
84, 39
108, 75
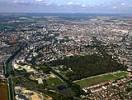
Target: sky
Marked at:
67, 6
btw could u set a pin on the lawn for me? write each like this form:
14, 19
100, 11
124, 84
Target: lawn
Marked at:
101, 78
53, 82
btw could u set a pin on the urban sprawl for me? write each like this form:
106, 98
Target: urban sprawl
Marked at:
59, 57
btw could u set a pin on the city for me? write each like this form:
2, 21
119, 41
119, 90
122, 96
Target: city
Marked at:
65, 55
43, 51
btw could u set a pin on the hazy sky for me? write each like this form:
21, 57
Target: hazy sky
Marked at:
67, 6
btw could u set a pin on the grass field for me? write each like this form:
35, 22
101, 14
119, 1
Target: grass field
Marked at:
101, 78
53, 82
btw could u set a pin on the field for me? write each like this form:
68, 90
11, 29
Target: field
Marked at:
3, 91
101, 78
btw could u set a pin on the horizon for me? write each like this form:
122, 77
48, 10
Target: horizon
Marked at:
65, 14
